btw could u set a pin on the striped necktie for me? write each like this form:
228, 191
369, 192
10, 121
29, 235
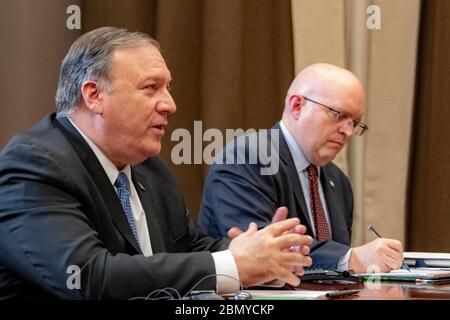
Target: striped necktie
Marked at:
123, 192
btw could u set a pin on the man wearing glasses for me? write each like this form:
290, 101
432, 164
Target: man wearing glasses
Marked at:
324, 107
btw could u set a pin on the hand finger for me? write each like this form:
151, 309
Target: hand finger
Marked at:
280, 215
292, 259
299, 270
290, 278
300, 229
305, 250
391, 263
252, 228
395, 255
234, 232
394, 244
291, 239
277, 229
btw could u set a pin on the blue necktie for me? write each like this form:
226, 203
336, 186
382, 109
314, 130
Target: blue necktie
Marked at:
123, 192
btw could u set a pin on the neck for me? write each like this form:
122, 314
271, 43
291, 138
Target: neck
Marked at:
90, 128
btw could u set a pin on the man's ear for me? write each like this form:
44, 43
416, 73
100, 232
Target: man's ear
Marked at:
92, 96
296, 102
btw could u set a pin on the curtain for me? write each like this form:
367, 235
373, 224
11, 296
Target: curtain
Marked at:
33, 39
384, 60
429, 201
231, 63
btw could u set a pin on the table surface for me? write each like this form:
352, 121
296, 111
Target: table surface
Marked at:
391, 291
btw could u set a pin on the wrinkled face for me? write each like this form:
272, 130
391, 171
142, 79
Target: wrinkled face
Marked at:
135, 111
318, 132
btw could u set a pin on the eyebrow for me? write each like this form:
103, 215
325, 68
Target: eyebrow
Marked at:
155, 78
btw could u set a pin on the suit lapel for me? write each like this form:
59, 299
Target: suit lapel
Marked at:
286, 157
332, 197
101, 180
144, 190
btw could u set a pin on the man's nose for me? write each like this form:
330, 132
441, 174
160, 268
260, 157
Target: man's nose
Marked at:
167, 105
347, 128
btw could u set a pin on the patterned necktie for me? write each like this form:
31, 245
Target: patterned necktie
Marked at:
320, 221
123, 192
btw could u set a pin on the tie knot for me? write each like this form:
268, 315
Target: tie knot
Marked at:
122, 181
312, 171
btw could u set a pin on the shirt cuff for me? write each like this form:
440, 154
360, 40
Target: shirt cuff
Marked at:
343, 261
227, 276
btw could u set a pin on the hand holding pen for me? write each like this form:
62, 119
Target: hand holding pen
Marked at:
376, 234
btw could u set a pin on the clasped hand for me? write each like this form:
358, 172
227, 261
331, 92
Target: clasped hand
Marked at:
278, 251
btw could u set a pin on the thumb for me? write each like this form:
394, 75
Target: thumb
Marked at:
280, 214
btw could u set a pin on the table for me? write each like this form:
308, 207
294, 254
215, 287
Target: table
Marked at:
391, 291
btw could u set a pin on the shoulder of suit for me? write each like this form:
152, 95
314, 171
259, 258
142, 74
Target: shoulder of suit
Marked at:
44, 136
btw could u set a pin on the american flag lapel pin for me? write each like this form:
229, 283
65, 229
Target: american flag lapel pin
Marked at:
141, 186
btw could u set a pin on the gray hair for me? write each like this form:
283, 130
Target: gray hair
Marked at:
89, 58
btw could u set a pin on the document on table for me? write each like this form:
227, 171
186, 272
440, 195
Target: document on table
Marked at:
427, 259
416, 274
288, 294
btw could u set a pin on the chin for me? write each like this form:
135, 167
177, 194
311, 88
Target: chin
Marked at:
153, 150
325, 159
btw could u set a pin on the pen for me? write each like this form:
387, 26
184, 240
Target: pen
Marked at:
341, 293
376, 234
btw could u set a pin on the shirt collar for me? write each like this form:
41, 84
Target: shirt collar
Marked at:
300, 160
108, 166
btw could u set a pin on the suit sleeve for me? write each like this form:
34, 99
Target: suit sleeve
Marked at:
233, 196
46, 238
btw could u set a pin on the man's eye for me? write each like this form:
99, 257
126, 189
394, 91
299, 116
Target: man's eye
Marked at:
151, 86
340, 116
169, 87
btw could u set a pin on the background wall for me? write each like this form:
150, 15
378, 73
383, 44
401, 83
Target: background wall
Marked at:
232, 62
33, 42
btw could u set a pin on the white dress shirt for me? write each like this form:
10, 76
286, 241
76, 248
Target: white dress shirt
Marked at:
224, 262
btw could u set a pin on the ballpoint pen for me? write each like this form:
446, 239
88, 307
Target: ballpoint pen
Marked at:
376, 234
341, 293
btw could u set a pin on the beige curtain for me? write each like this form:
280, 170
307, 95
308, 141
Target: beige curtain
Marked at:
384, 60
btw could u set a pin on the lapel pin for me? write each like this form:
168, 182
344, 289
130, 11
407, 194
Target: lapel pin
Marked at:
332, 183
141, 186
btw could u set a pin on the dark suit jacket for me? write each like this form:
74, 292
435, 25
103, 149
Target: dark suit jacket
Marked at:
58, 209
236, 194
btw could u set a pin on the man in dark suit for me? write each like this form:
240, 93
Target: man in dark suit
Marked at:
88, 210
323, 109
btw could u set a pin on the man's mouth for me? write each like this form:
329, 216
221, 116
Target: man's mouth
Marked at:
159, 128
337, 142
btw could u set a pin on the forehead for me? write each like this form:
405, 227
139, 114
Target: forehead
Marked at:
138, 63
346, 97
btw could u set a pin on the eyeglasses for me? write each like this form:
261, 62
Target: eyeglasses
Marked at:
358, 127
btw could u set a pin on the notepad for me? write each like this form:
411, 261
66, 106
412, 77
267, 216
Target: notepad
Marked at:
427, 259
288, 294
416, 274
